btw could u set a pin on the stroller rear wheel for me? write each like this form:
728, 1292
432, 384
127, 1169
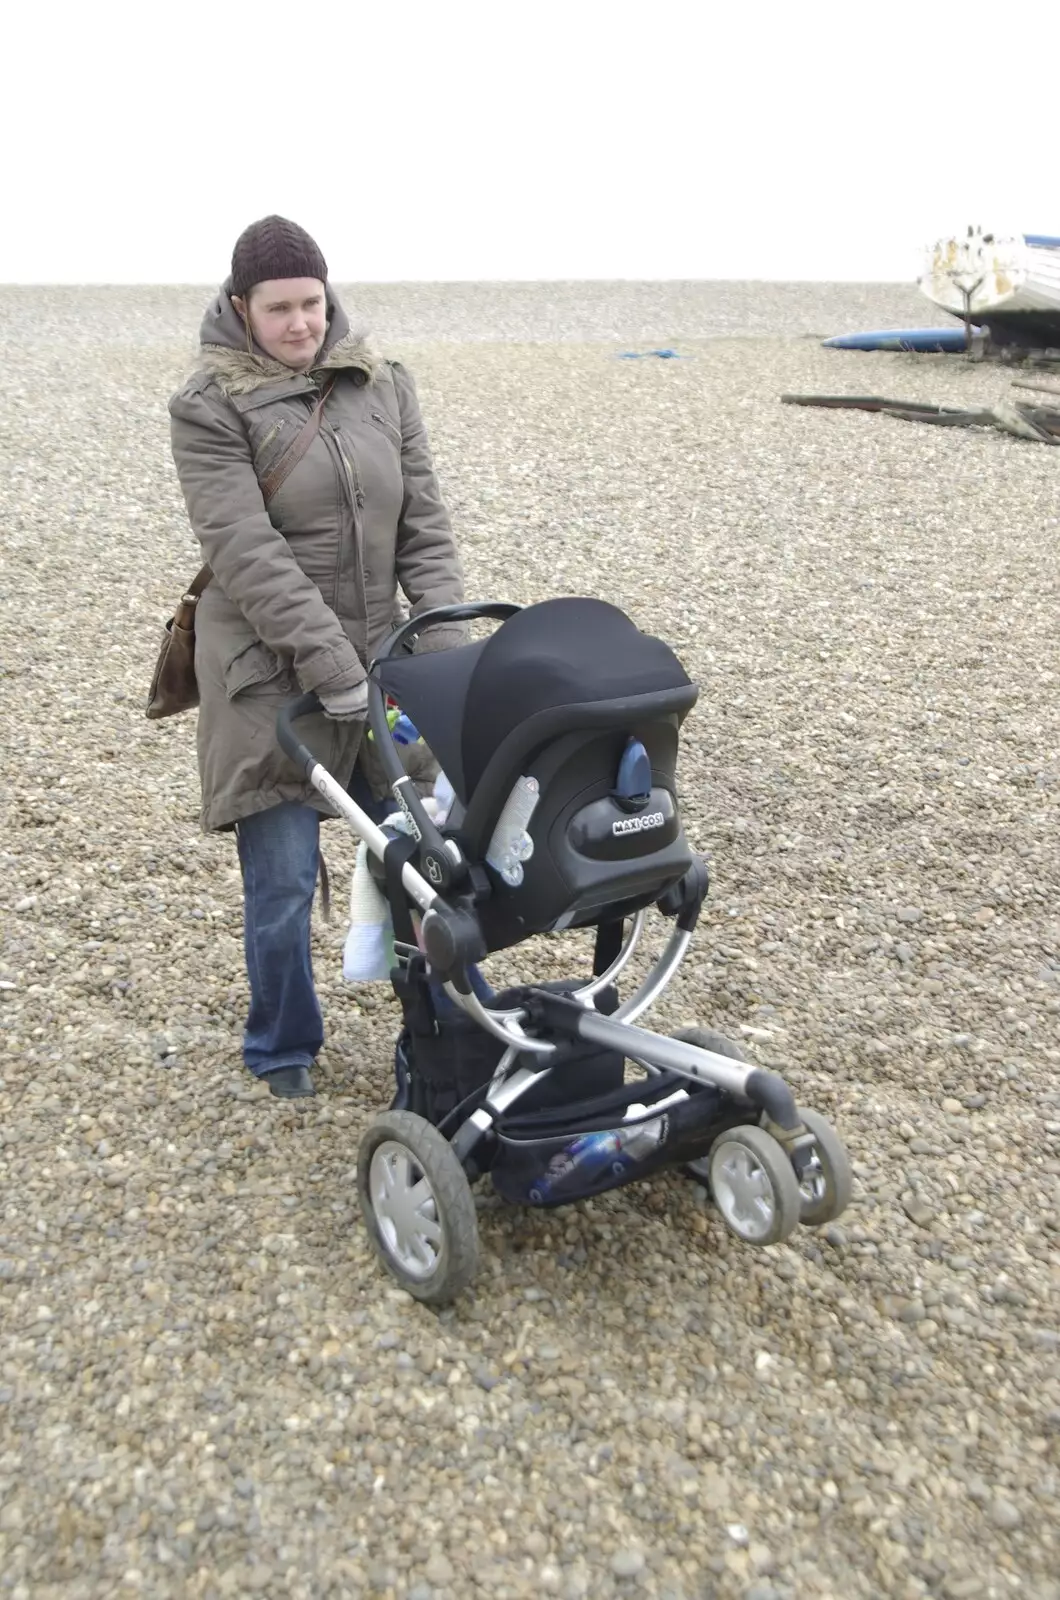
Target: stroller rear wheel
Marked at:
418, 1206
754, 1186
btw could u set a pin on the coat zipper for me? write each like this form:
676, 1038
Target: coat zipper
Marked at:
351, 468
353, 484
353, 480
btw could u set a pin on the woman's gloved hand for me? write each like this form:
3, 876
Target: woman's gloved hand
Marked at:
347, 705
442, 636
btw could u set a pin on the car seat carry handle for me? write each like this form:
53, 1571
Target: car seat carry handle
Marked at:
402, 638
441, 862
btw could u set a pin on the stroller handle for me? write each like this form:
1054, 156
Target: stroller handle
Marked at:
290, 743
424, 894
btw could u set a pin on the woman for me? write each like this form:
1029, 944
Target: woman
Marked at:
304, 587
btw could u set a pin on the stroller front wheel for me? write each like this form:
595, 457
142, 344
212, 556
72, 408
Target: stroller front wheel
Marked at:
825, 1191
708, 1039
417, 1206
754, 1186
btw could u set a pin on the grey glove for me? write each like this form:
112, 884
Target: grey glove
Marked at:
442, 636
347, 705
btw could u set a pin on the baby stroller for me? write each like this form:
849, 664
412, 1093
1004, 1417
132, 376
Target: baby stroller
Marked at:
559, 737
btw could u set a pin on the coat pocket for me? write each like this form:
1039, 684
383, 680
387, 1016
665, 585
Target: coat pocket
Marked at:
379, 420
269, 444
255, 666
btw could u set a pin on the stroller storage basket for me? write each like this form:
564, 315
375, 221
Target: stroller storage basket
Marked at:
443, 1057
549, 1158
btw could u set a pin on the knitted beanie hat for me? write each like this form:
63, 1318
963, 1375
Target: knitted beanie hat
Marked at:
274, 248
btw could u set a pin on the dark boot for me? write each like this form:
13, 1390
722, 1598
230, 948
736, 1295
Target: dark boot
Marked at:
290, 1083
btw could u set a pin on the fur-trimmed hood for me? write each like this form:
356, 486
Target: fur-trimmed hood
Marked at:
223, 351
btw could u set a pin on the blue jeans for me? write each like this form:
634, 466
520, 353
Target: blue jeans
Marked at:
279, 853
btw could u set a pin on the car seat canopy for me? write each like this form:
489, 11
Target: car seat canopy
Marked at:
546, 671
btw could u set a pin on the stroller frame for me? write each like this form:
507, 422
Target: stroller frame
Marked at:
775, 1165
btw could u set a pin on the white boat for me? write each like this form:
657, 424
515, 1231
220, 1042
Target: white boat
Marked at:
1008, 285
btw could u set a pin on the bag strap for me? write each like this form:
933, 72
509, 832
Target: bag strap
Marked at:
275, 479
198, 583
296, 449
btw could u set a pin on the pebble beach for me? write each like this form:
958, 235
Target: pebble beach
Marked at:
208, 1388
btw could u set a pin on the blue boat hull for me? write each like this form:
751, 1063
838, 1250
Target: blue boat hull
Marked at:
934, 341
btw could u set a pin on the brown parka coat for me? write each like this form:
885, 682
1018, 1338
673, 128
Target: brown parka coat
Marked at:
304, 591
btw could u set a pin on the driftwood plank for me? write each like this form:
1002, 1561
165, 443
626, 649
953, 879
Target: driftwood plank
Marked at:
1035, 423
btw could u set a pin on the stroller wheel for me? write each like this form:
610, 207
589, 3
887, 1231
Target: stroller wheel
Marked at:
707, 1039
826, 1189
418, 1206
754, 1186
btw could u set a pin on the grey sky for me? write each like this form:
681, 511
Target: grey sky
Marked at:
474, 141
